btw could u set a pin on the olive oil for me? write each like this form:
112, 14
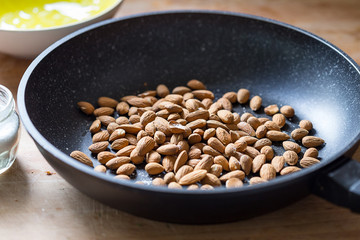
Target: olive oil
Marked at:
39, 14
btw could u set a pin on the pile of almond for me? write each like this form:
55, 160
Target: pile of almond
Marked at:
186, 138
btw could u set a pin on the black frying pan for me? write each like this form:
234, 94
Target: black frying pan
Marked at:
228, 51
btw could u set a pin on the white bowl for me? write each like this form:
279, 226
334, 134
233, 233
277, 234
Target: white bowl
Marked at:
28, 43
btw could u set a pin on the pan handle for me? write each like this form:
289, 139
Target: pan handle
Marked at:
341, 185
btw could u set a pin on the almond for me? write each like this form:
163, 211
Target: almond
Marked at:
268, 151
245, 116
231, 96
306, 124
257, 162
176, 127
130, 128
246, 128
126, 151
168, 149
104, 156
288, 145
287, 111
271, 110
103, 111
199, 123
174, 185
277, 136
243, 95
122, 108
100, 168
211, 180
135, 157
193, 162
162, 90
299, 133
216, 144
234, 174
116, 162
205, 163
267, 171
95, 126
86, 107
312, 141
100, 136
119, 143
262, 143
253, 122
154, 168
206, 187
180, 160
207, 102
202, 94
311, 152
162, 125
248, 140
272, 126
122, 177
196, 85
288, 170
193, 187
246, 163
290, 157
169, 177
81, 157
122, 120
112, 127
279, 119
175, 98
256, 180
216, 124
107, 102
98, 146
182, 171
116, 134
169, 162
226, 116
145, 145
139, 102
181, 90
223, 136
230, 150
225, 104
126, 169
234, 164
153, 156
216, 169
158, 182
255, 103
193, 177
240, 145
251, 151
211, 151
221, 160
278, 162
233, 183
106, 120
308, 161
147, 117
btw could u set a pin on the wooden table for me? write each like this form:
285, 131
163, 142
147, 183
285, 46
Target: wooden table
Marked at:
36, 205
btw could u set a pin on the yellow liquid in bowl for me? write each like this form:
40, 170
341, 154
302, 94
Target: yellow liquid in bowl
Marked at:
39, 14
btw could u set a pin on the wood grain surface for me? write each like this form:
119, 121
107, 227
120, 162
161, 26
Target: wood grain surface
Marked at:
35, 205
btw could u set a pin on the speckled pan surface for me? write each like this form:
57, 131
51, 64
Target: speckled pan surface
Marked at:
227, 51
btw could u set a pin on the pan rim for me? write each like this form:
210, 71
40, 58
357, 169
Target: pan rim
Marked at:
64, 158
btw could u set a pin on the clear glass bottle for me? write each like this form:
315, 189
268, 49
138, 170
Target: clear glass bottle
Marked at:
9, 129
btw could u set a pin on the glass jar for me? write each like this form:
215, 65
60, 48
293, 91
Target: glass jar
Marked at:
9, 129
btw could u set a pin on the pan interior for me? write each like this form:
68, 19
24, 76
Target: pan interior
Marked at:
282, 65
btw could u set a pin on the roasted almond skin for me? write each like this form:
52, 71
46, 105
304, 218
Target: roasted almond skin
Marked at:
312, 141
81, 157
